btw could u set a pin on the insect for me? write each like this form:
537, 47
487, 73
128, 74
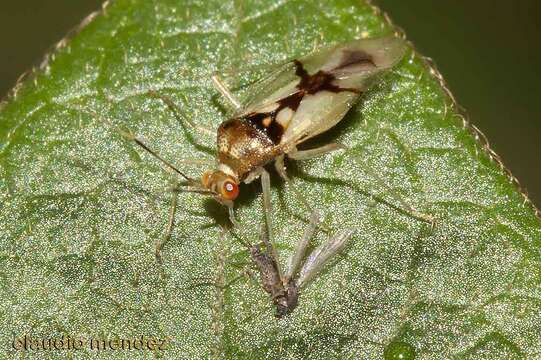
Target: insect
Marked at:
284, 288
304, 98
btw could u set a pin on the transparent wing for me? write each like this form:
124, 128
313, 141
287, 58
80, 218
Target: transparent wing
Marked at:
357, 56
322, 255
347, 62
296, 258
276, 85
355, 66
316, 114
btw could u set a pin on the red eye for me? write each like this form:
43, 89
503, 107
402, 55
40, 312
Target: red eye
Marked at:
230, 190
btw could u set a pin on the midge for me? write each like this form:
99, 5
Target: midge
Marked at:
283, 287
302, 99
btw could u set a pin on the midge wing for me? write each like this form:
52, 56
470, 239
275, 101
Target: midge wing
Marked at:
351, 68
322, 255
296, 258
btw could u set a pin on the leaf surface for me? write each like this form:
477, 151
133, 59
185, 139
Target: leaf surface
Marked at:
81, 208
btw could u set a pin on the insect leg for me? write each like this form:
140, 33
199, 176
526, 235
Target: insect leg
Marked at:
281, 170
267, 208
220, 85
311, 153
130, 136
404, 205
280, 167
160, 243
232, 218
180, 115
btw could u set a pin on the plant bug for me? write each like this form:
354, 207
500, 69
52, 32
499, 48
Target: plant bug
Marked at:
303, 98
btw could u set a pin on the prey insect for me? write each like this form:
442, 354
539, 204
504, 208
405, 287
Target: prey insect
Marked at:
302, 99
284, 287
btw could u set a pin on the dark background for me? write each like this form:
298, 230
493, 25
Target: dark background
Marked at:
488, 51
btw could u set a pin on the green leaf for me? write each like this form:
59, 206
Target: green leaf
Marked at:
82, 208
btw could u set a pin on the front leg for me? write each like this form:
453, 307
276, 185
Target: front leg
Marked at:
263, 174
267, 209
254, 175
280, 167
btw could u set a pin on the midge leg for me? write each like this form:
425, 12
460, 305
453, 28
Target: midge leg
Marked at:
220, 85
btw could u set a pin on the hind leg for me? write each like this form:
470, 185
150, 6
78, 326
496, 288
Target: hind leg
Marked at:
281, 170
312, 153
304, 155
403, 204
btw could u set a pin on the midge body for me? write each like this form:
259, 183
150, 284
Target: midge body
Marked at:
303, 98
285, 287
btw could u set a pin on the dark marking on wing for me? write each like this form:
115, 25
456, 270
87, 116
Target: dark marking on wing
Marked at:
273, 130
320, 81
355, 58
292, 101
300, 71
308, 84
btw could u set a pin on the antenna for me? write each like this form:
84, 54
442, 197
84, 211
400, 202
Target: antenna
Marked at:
127, 134
157, 156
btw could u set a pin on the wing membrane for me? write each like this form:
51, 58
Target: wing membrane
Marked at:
354, 66
272, 88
